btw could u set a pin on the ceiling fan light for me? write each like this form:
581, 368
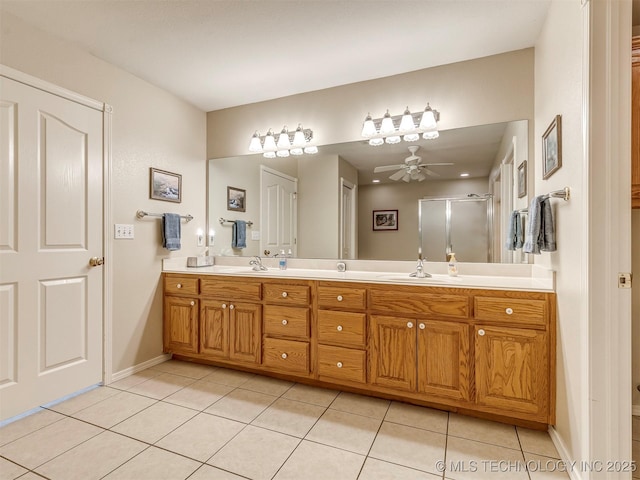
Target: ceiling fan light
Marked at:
387, 125
368, 127
376, 142
255, 145
428, 121
283, 139
411, 137
393, 139
269, 142
406, 123
430, 135
298, 137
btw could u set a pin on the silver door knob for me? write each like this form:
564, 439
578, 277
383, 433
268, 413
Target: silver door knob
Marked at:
96, 261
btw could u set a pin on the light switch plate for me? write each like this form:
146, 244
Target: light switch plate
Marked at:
255, 235
123, 230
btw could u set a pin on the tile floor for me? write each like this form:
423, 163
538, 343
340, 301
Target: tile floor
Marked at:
180, 420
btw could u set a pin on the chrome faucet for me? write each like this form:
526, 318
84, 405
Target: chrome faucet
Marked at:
256, 262
420, 273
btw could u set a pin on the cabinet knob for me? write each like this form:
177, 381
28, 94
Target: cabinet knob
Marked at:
509, 311
410, 324
231, 307
421, 326
339, 328
224, 305
179, 285
192, 303
339, 364
284, 294
481, 332
284, 321
284, 356
339, 298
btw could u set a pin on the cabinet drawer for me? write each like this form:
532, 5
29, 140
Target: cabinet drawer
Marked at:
286, 321
342, 363
286, 355
416, 302
511, 310
342, 328
231, 289
185, 285
287, 294
342, 297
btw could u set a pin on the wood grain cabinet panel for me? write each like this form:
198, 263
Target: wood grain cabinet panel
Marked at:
245, 332
511, 370
180, 329
180, 285
342, 328
287, 294
444, 359
398, 301
511, 310
246, 289
342, 297
392, 352
286, 355
635, 122
214, 329
286, 321
346, 364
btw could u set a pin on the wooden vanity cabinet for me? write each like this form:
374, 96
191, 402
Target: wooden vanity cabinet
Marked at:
180, 326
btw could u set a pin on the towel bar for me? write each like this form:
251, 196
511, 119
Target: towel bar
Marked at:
142, 214
224, 220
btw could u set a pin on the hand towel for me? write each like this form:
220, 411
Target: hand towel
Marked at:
541, 235
512, 232
171, 231
519, 231
239, 234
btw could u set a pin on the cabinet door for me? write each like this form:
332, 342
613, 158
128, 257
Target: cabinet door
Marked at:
393, 352
214, 328
245, 332
512, 370
180, 324
443, 359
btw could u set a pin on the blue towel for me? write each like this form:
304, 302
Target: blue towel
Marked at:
239, 234
515, 234
171, 231
541, 234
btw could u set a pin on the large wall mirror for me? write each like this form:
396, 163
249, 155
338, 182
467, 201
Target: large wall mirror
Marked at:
333, 205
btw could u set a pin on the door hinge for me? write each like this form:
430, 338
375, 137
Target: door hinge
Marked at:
624, 280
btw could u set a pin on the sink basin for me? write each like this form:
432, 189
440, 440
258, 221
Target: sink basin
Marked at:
405, 276
233, 270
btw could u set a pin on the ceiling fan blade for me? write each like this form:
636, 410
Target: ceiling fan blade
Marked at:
438, 164
430, 172
421, 176
386, 168
398, 175
406, 178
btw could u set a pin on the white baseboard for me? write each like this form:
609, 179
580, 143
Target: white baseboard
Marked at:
635, 410
141, 366
574, 473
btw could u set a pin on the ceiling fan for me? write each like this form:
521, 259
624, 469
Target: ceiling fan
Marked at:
411, 169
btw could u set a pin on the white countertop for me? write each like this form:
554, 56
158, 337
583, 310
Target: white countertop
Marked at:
498, 276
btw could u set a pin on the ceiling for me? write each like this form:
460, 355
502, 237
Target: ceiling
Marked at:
217, 54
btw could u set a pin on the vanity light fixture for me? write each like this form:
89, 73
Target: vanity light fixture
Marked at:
287, 143
407, 127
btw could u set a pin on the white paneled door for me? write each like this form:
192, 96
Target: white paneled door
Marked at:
51, 225
278, 212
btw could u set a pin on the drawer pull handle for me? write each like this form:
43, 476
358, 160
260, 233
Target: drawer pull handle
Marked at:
339, 364
192, 303
509, 311
224, 305
410, 324
339, 328
284, 356
231, 307
284, 321
481, 332
179, 285
284, 294
421, 325
339, 298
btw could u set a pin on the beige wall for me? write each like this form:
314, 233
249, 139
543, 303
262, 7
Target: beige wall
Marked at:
151, 128
402, 244
493, 89
558, 80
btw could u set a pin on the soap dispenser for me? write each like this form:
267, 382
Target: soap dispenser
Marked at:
282, 261
452, 268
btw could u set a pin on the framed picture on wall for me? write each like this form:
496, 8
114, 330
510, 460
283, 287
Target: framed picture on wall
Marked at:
522, 179
385, 220
165, 186
236, 199
552, 148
